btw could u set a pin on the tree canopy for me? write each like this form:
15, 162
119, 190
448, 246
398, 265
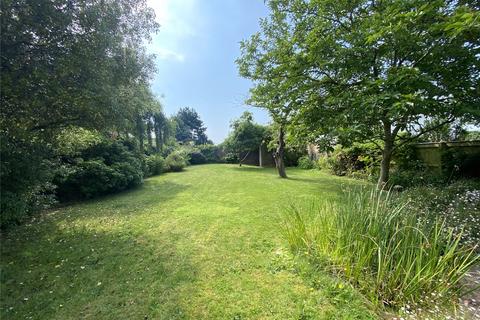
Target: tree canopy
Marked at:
246, 135
190, 127
366, 70
66, 65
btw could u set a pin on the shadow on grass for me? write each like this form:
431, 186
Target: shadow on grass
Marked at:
152, 193
255, 169
72, 273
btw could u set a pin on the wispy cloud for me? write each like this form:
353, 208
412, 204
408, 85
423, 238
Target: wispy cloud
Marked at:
179, 21
166, 54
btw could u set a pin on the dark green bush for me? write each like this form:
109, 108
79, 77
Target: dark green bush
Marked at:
411, 178
212, 153
196, 157
293, 155
25, 177
107, 167
175, 161
405, 158
154, 165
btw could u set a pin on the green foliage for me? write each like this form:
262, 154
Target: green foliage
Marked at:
408, 178
246, 135
472, 135
458, 203
305, 162
405, 158
189, 127
359, 71
197, 157
176, 161
456, 163
25, 178
88, 69
212, 153
201, 154
360, 160
381, 247
83, 78
155, 165
106, 167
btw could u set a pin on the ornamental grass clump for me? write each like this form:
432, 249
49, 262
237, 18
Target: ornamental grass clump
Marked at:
390, 254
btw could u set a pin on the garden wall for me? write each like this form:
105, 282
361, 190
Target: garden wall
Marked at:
438, 156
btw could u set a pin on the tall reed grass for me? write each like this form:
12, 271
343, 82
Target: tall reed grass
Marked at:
383, 249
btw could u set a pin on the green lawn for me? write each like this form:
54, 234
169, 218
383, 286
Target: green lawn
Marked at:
199, 244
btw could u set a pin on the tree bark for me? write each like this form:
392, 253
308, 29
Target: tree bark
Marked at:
386, 155
140, 132
385, 165
158, 133
149, 134
279, 154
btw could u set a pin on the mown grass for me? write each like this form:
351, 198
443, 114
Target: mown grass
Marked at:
199, 244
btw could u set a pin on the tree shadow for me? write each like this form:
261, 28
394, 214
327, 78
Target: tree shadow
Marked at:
72, 273
255, 169
152, 193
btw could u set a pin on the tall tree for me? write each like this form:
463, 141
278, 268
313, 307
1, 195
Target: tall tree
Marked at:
164, 130
246, 136
368, 70
190, 127
65, 63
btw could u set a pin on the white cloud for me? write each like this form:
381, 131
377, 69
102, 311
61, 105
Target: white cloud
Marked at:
179, 20
175, 16
166, 54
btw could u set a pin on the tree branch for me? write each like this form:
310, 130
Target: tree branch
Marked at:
422, 132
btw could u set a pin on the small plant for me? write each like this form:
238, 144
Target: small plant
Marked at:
390, 254
458, 204
175, 161
155, 165
305, 162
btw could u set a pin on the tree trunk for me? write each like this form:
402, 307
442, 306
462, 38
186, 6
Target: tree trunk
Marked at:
158, 132
386, 156
140, 132
385, 166
279, 154
149, 135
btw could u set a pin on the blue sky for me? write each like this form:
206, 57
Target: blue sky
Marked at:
196, 49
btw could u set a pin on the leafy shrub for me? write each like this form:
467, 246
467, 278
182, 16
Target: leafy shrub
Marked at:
212, 153
414, 178
305, 162
334, 163
376, 243
359, 160
196, 157
293, 154
231, 157
154, 165
25, 178
103, 168
175, 161
405, 159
